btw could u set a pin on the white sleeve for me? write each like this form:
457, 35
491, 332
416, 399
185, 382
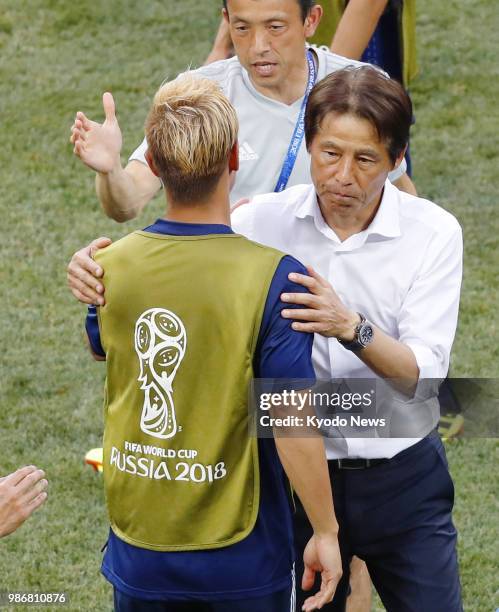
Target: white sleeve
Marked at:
140, 153
394, 175
428, 317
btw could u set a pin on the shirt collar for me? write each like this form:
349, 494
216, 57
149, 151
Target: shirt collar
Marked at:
387, 220
177, 228
386, 223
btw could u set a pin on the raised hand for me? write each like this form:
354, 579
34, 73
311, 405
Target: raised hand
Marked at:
98, 145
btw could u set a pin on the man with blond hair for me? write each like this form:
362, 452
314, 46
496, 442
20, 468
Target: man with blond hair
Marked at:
199, 510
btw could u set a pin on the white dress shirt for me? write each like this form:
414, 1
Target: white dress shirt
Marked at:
403, 273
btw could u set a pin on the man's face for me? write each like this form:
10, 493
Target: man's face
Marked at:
349, 166
269, 38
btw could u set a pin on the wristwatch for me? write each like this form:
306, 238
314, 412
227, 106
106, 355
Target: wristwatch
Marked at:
363, 335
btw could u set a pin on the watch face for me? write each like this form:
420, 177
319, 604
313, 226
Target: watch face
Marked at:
366, 335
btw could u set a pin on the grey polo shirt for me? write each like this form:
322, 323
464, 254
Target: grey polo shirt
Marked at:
265, 127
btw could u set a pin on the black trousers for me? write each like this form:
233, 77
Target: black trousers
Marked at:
396, 516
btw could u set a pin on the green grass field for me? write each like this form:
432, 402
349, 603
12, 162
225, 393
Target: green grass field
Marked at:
57, 57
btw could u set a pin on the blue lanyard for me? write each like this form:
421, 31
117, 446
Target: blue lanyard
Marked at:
296, 139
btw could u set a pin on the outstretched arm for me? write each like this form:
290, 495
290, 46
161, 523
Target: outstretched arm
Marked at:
123, 192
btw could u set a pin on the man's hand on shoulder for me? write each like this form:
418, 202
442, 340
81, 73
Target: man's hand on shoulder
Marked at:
324, 312
98, 145
83, 273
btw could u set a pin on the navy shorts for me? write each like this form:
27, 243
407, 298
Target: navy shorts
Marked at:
276, 602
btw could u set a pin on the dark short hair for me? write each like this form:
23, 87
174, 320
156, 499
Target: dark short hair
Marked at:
305, 6
367, 93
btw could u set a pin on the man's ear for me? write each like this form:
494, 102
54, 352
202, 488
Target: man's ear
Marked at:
234, 158
313, 19
151, 164
225, 15
399, 159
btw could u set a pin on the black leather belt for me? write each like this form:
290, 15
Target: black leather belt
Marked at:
362, 464
354, 464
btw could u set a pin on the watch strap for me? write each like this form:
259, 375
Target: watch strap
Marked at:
355, 344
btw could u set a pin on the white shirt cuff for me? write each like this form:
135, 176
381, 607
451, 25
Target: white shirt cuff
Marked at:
427, 362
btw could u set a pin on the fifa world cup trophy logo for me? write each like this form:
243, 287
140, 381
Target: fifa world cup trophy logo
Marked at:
160, 341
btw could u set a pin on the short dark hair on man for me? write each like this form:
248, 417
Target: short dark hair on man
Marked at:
305, 6
367, 93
